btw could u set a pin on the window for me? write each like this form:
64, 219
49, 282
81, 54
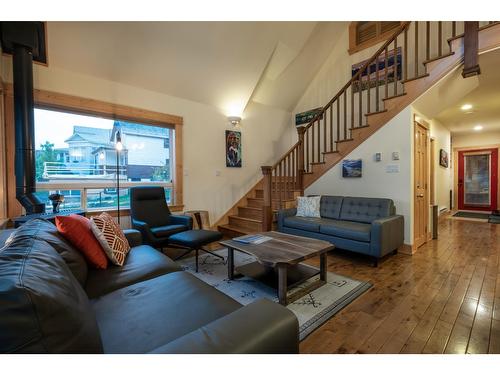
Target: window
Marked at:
364, 34
76, 156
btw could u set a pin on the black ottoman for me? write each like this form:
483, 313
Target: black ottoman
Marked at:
195, 239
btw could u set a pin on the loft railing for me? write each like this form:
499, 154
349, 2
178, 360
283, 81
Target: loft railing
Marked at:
69, 171
400, 59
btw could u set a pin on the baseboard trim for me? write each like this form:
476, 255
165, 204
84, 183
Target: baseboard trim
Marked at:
407, 249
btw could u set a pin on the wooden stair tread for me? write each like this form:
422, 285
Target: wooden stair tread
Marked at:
317, 162
345, 140
251, 208
360, 127
376, 112
415, 78
245, 219
394, 96
438, 57
277, 200
235, 228
330, 152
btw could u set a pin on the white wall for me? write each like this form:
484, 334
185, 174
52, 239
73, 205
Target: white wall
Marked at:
203, 144
443, 177
476, 139
333, 75
376, 182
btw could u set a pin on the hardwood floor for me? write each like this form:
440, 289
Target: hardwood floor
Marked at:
443, 299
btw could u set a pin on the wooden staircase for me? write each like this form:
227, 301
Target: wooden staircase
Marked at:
413, 59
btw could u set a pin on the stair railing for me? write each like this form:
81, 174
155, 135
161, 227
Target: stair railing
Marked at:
400, 59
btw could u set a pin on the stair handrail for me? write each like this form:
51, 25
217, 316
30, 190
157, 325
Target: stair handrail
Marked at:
355, 77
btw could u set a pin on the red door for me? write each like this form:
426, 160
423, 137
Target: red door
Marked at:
478, 179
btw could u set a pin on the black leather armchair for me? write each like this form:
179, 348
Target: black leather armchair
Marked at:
152, 217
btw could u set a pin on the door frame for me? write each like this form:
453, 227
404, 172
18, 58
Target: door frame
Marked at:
456, 150
493, 180
428, 234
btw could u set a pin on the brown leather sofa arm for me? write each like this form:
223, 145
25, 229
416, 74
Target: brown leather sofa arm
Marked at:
262, 327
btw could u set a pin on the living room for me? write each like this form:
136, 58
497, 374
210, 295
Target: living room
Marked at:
295, 186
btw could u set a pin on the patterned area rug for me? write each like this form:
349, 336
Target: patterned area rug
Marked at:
312, 310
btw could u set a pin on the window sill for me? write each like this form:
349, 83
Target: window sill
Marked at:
125, 211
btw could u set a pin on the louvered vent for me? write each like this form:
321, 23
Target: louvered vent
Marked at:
365, 31
388, 26
368, 30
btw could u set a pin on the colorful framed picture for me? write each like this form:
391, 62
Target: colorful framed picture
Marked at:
233, 149
369, 76
443, 158
351, 168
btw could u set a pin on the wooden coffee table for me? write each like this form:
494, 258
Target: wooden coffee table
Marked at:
279, 263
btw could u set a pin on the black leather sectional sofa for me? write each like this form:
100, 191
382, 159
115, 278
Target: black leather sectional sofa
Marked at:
51, 302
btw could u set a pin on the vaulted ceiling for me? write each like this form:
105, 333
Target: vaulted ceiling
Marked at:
224, 64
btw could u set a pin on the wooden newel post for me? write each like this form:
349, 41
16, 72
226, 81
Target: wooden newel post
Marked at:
471, 45
300, 165
267, 208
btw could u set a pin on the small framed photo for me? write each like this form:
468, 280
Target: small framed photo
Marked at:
443, 158
351, 168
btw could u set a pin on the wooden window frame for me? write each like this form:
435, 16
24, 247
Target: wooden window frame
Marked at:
354, 47
91, 107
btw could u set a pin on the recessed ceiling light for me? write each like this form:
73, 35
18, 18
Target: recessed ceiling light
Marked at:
466, 107
478, 127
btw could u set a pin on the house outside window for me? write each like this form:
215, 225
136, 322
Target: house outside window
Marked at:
79, 160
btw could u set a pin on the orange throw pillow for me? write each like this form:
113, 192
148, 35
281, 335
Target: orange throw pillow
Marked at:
77, 230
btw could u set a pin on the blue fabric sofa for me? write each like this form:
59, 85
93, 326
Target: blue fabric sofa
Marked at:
363, 225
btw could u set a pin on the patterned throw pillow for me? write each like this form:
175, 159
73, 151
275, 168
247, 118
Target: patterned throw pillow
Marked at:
111, 238
308, 206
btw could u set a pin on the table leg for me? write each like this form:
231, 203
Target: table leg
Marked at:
196, 260
323, 265
282, 284
230, 263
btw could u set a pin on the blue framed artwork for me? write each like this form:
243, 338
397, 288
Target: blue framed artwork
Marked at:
351, 168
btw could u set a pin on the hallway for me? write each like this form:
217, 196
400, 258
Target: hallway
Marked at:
443, 299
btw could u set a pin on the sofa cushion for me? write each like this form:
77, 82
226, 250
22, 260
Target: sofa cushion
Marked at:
77, 230
48, 232
330, 206
142, 263
43, 308
308, 206
168, 230
111, 237
365, 210
177, 303
346, 229
310, 224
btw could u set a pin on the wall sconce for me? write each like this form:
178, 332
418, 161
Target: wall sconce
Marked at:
234, 120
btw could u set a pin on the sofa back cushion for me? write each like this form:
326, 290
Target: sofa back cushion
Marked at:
48, 232
330, 206
43, 307
365, 210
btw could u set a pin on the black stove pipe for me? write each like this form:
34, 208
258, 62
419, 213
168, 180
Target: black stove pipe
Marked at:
25, 130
